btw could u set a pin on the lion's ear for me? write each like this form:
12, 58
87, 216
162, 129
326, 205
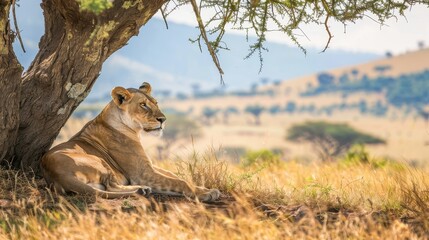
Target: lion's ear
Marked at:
146, 88
120, 95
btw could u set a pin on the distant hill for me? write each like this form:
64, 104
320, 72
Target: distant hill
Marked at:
407, 63
385, 87
169, 61
400, 81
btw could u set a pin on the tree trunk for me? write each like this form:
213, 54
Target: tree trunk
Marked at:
72, 51
257, 120
10, 78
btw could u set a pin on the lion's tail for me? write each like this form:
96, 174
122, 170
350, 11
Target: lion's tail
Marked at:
75, 185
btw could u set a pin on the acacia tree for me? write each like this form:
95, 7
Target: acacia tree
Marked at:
209, 113
81, 34
329, 139
255, 111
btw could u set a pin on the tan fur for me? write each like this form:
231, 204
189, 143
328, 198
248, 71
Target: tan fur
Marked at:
107, 158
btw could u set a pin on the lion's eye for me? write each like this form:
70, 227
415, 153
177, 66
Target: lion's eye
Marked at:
143, 105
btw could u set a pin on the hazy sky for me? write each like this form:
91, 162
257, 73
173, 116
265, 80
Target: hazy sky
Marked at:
398, 36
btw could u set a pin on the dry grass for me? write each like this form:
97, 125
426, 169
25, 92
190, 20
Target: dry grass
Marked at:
283, 201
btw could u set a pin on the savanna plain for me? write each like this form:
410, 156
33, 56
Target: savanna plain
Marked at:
263, 198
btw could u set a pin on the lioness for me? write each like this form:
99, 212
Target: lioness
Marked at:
107, 158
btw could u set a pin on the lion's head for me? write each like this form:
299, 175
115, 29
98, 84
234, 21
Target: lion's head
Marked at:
139, 110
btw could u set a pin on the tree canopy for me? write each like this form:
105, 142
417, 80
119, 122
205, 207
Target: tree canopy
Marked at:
256, 111
262, 16
329, 139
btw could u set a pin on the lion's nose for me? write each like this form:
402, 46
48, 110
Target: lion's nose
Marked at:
161, 119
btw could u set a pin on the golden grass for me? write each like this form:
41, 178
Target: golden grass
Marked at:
282, 201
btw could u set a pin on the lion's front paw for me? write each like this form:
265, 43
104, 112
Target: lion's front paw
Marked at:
207, 195
144, 190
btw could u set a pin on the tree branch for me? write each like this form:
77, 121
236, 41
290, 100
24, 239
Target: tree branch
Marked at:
328, 14
15, 22
204, 35
329, 34
164, 17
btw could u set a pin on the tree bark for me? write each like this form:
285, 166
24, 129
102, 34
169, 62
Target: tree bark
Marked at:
72, 51
10, 78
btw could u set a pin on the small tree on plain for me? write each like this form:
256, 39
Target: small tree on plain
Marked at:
256, 111
209, 113
325, 79
329, 139
381, 69
290, 107
275, 109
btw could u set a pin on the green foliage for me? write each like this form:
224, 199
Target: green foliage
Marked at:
95, 6
317, 191
358, 155
262, 157
339, 132
329, 139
